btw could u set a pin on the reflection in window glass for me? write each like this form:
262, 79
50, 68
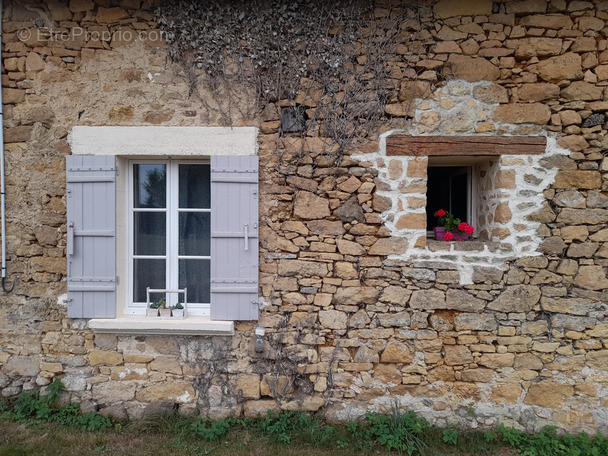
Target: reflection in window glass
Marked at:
150, 184
194, 186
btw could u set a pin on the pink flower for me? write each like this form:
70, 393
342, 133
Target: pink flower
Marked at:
440, 213
448, 236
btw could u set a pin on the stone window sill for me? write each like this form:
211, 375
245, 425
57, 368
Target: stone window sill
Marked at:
139, 324
471, 245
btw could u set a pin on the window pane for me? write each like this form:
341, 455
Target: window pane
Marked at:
147, 273
194, 187
150, 183
195, 274
194, 233
149, 230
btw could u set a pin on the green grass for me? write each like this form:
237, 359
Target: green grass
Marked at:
35, 424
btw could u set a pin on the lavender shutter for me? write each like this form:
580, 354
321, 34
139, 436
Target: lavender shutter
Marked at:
234, 238
91, 213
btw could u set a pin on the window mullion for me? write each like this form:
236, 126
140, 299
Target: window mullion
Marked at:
173, 231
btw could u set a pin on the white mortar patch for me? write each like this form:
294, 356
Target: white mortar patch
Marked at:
528, 195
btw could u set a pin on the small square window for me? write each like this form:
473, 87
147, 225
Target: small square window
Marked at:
449, 188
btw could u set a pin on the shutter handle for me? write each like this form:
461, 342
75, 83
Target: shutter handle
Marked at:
246, 236
71, 238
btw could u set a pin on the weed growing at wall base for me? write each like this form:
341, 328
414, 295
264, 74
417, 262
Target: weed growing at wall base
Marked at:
291, 432
32, 408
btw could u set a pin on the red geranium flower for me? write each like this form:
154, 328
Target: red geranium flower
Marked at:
462, 226
469, 229
448, 236
440, 213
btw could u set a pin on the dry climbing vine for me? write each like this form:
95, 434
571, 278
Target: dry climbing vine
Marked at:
331, 67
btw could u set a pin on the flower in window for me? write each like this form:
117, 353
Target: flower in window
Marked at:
448, 236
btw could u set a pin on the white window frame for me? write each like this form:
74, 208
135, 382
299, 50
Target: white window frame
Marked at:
171, 256
472, 183
154, 142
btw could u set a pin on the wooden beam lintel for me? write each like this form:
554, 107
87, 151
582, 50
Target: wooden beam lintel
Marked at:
424, 146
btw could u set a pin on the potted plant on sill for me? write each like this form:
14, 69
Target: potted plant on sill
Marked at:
177, 310
451, 227
153, 310
164, 311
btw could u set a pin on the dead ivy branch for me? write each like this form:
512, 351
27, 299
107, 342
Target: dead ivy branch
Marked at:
330, 67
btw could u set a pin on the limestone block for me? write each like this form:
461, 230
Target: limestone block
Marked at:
387, 373
411, 221
477, 375
548, 393
518, 7
475, 322
591, 278
350, 185
547, 21
399, 319
428, 299
457, 355
255, 409
583, 249
248, 386
81, 6
326, 227
473, 69
519, 113
496, 360
578, 179
27, 366
597, 360
34, 62
397, 352
112, 392
394, 294
105, 15
333, 319
174, 391
441, 374
355, 296
581, 90
109, 358
527, 361
556, 69
448, 8
129, 373
516, 298
166, 365
492, 93
309, 206
463, 301
366, 355
301, 267
389, 246
506, 393
350, 248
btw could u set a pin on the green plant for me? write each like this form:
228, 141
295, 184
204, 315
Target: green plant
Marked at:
32, 408
210, 429
160, 304
450, 436
399, 431
177, 306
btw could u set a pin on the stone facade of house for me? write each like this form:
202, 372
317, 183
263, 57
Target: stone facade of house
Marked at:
361, 311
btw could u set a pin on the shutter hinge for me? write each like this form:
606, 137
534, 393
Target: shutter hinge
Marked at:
117, 280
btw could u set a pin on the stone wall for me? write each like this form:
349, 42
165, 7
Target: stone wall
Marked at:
359, 313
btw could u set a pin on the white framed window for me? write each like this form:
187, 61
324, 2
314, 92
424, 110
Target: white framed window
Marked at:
164, 207
169, 226
452, 185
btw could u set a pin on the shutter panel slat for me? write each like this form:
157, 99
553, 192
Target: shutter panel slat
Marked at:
234, 238
91, 213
